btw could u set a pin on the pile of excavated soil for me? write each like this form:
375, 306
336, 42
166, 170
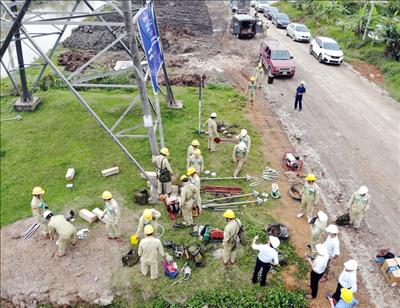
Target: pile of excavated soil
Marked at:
183, 18
30, 275
73, 59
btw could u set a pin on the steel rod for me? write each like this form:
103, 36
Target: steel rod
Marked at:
230, 197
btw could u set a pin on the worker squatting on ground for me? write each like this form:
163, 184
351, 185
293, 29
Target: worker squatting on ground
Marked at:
259, 75
332, 246
317, 229
347, 279
358, 204
65, 230
190, 195
164, 172
266, 257
245, 138
310, 195
212, 131
150, 249
149, 217
347, 300
318, 268
195, 180
196, 161
251, 89
112, 216
38, 207
195, 145
239, 157
298, 98
231, 238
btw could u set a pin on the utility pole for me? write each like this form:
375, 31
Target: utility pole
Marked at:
369, 20
148, 121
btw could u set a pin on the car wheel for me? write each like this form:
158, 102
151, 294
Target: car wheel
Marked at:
311, 50
320, 60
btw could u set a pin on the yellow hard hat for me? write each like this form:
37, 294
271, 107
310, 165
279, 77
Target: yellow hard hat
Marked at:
106, 195
197, 152
191, 171
311, 177
148, 214
184, 178
346, 295
195, 143
148, 229
164, 151
37, 191
252, 78
134, 239
229, 214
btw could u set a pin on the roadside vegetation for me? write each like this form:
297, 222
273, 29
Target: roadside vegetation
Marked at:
345, 22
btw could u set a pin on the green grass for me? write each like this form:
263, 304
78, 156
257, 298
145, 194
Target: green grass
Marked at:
60, 134
354, 48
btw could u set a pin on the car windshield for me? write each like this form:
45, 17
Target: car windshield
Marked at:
280, 55
273, 9
282, 16
301, 29
263, 1
331, 46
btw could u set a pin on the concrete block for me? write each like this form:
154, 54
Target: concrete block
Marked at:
87, 216
98, 213
110, 171
151, 174
70, 174
28, 105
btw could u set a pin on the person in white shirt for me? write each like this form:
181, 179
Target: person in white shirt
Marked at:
332, 246
318, 269
347, 279
266, 257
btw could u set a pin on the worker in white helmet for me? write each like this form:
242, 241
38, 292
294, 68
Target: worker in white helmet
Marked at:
196, 161
212, 131
195, 145
38, 207
347, 279
245, 138
150, 249
65, 230
149, 217
358, 204
332, 246
239, 157
164, 172
318, 227
259, 75
112, 216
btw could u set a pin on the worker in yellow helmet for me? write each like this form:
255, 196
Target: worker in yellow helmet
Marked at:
190, 195
164, 172
195, 145
149, 217
310, 195
112, 216
231, 238
347, 299
195, 180
211, 131
150, 249
38, 207
196, 161
259, 75
251, 89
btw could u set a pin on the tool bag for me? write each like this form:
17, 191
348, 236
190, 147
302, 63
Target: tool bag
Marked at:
343, 220
163, 174
216, 235
241, 234
169, 270
131, 258
141, 197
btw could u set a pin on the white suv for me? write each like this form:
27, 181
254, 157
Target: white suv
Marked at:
326, 50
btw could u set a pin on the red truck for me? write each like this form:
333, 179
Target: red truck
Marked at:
276, 59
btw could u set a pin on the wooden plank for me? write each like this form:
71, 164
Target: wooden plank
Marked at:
110, 171
69, 176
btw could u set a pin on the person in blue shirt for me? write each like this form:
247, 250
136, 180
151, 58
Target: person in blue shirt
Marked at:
301, 90
347, 300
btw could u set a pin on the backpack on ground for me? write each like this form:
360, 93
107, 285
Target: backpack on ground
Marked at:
131, 258
343, 220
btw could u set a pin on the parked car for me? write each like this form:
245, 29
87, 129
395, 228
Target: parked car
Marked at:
326, 50
270, 11
244, 25
298, 32
280, 20
261, 5
276, 59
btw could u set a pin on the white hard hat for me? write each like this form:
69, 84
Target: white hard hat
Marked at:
322, 216
274, 241
213, 114
321, 249
303, 82
363, 190
350, 265
243, 132
47, 213
242, 146
332, 229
